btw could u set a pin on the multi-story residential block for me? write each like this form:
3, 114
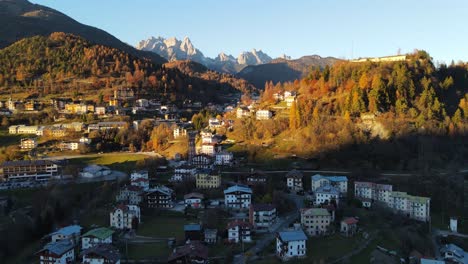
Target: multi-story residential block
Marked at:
125, 216
178, 132
201, 161
209, 149
130, 195
372, 191
23, 129
327, 194
28, 143
28, 170
242, 112
184, 173
160, 197
72, 233
60, 252
100, 110
102, 126
239, 231
194, 200
414, 207
263, 114
294, 181
315, 221
238, 197
69, 146
339, 182
262, 216
97, 236
291, 244
224, 158
101, 254
207, 179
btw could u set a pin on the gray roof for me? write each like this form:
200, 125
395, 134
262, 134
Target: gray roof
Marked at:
295, 235
328, 189
317, 177
192, 227
58, 248
68, 230
238, 188
26, 163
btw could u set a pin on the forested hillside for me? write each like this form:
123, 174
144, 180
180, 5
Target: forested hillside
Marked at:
63, 63
383, 115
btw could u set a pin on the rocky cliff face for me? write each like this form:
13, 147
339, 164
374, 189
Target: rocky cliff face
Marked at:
173, 49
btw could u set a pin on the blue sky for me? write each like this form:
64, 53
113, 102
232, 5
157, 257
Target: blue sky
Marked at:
339, 28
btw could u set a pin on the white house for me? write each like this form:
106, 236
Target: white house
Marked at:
28, 143
414, 207
238, 197
224, 158
124, 216
100, 235
294, 181
140, 179
194, 200
327, 194
339, 182
291, 244
262, 216
93, 170
60, 252
372, 191
315, 221
239, 231
71, 233
101, 254
263, 114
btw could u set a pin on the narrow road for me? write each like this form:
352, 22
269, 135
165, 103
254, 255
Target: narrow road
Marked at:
262, 243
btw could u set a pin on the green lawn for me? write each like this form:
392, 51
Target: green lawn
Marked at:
117, 161
146, 251
163, 226
318, 248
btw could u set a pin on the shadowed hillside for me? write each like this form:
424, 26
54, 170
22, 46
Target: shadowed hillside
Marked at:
22, 19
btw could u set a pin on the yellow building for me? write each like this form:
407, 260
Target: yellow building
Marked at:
207, 179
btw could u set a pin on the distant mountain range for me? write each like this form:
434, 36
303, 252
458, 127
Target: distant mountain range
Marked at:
21, 19
254, 66
173, 49
282, 70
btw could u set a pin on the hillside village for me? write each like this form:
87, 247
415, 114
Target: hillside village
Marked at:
165, 153
294, 211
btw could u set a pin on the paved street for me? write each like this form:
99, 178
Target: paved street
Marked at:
283, 223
